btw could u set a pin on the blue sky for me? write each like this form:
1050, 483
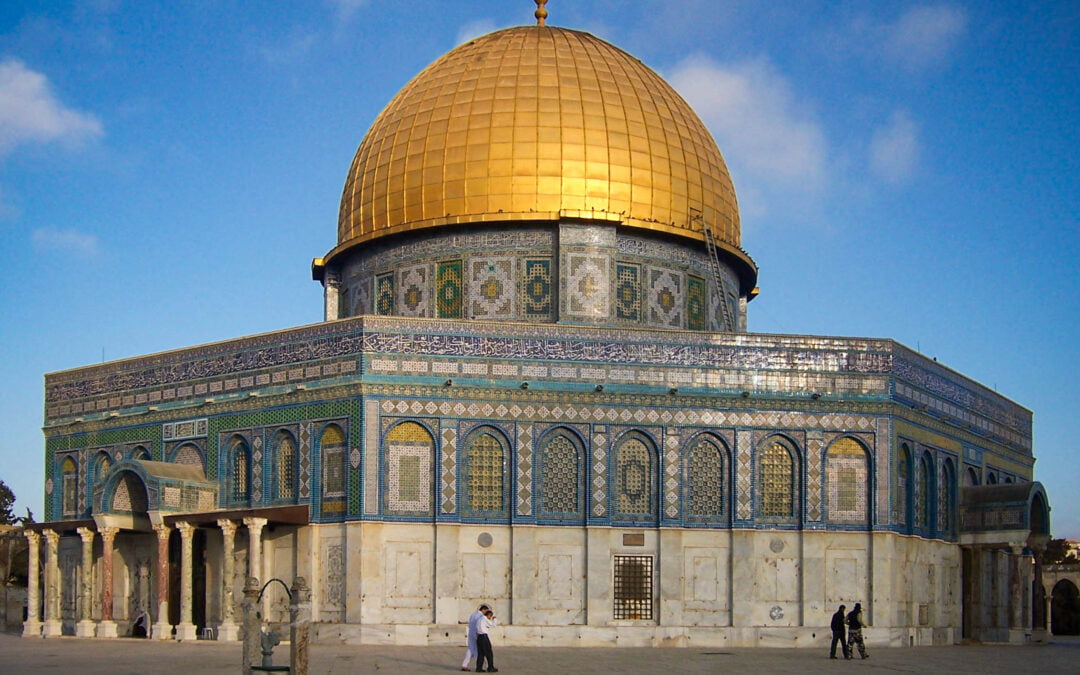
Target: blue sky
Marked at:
904, 170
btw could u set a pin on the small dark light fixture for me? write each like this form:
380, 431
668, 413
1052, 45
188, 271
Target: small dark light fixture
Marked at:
448, 383
746, 394
524, 385
673, 391
815, 396
599, 387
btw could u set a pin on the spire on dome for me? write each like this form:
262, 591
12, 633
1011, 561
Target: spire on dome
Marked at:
540, 13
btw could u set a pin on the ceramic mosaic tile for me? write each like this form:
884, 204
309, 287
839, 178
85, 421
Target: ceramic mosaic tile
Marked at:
449, 468
492, 288
599, 471
665, 298
414, 291
587, 284
525, 464
743, 474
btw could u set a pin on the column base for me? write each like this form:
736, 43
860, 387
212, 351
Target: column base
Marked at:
31, 628
85, 628
162, 631
187, 631
228, 632
52, 628
106, 629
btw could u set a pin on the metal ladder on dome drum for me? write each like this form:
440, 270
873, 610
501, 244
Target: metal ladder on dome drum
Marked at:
714, 266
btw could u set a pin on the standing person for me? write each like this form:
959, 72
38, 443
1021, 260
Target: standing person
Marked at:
483, 643
838, 634
855, 626
470, 639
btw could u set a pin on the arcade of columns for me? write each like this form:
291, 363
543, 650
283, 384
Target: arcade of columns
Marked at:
86, 626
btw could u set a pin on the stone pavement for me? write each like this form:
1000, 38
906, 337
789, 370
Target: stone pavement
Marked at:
142, 657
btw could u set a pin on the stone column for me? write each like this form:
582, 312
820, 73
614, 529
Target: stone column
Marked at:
255, 526
162, 627
332, 288
300, 626
252, 624
107, 627
186, 629
53, 627
32, 625
85, 627
227, 630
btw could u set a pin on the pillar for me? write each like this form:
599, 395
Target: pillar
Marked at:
32, 625
162, 627
85, 627
255, 526
227, 630
300, 626
185, 630
107, 627
52, 626
252, 624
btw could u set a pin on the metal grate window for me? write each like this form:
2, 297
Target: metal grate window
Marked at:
633, 587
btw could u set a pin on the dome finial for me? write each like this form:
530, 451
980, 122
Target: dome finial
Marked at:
540, 13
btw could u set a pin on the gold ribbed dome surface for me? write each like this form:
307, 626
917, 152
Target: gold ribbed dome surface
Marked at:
538, 123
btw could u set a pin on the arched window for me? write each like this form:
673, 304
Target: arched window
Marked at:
285, 462
69, 472
847, 479
239, 470
704, 480
129, 495
991, 478
189, 455
635, 481
946, 499
408, 477
776, 472
102, 465
333, 457
561, 476
971, 477
902, 491
485, 465
922, 494
140, 453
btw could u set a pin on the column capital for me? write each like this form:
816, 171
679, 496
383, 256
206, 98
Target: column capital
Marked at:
108, 534
227, 526
185, 529
163, 531
52, 537
255, 523
86, 534
34, 538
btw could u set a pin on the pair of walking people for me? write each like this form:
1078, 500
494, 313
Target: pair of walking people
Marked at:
479, 641
854, 622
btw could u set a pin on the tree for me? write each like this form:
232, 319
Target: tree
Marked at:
7, 500
1058, 553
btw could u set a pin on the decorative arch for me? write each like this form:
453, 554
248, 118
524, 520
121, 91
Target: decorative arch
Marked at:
946, 499
129, 494
141, 453
69, 486
239, 469
706, 463
407, 470
285, 466
924, 492
778, 479
1039, 511
1065, 608
189, 454
561, 476
332, 445
991, 478
971, 477
636, 474
903, 489
847, 482
103, 462
485, 472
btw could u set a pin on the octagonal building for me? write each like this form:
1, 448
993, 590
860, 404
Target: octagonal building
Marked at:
534, 388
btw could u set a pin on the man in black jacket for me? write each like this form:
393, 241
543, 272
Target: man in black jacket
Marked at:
838, 634
855, 626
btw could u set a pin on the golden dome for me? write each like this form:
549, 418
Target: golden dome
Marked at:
538, 123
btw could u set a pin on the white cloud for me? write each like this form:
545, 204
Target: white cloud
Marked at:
753, 113
346, 9
66, 241
923, 36
474, 29
894, 148
30, 113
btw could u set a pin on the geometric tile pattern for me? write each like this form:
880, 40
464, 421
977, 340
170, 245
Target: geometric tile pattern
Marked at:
448, 488
704, 480
257, 469
599, 471
384, 295
627, 293
560, 477
491, 288
371, 456
407, 490
743, 441
665, 298
587, 283
901, 514
922, 493
305, 460
536, 288
695, 303
449, 287
285, 460
524, 469
847, 480
485, 465
776, 480
814, 445
413, 290
671, 473
634, 478
333, 452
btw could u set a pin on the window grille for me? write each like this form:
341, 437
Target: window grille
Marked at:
633, 587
